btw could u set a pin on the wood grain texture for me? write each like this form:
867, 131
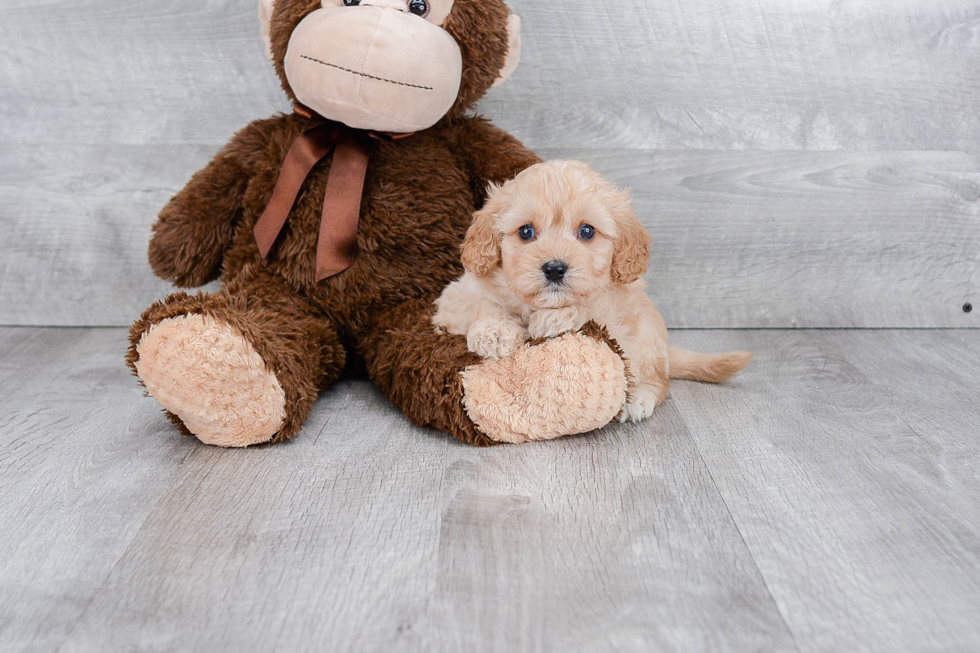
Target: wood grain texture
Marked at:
75, 227
82, 464
741, 239
108, 107
759, 74
613, 541
826, 500
848, 461
368, 534
790, 239
766, 74
132, 73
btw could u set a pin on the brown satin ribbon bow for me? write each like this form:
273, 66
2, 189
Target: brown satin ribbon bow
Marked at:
341, 205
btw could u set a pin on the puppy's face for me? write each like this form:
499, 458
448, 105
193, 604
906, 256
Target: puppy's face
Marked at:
557, 248
557, 234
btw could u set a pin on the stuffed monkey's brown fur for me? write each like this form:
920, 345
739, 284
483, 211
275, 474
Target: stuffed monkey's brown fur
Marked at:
419, 198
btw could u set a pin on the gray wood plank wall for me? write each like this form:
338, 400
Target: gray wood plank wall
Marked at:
799, 162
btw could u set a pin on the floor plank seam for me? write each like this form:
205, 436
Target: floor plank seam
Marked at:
347, 400
105, 581
122, 556
741, 536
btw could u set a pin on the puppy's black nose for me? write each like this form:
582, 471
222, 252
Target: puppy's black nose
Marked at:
555, 271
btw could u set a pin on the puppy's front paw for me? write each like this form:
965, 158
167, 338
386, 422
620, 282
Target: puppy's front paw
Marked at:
552, 322
494, 339
642, 403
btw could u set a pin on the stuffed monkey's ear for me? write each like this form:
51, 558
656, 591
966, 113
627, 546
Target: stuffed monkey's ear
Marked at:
631, 249
265, 19
481, 249
513, 49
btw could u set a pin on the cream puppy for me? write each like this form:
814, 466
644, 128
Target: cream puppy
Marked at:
552, 249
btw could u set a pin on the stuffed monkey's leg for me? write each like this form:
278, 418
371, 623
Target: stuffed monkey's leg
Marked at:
239, 367
571, 384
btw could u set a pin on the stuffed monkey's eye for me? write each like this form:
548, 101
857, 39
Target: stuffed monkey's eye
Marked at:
526, 232
586, 232
419, 7
351, 3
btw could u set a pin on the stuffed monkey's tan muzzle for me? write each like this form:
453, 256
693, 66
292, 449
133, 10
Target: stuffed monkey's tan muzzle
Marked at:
376, 68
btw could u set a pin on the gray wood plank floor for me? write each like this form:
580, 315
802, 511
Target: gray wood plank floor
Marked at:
827, 500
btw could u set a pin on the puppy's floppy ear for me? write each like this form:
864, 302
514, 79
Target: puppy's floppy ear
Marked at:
631, 249
481, 249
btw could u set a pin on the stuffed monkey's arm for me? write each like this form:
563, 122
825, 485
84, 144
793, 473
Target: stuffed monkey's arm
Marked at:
492, 154
195, 229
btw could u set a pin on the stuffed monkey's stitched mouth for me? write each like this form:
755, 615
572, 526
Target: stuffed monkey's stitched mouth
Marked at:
354, 72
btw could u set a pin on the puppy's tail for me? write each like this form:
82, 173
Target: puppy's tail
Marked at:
707, 368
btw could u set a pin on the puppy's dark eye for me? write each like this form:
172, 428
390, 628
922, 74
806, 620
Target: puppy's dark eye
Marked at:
526, 232
586, 232
351, 3
419, 8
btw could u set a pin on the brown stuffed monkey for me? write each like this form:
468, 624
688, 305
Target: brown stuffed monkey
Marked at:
312, 276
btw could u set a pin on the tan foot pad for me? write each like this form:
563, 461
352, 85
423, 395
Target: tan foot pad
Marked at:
206, 373
572, 384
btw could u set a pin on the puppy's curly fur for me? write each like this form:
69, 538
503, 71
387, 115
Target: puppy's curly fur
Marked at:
552, 249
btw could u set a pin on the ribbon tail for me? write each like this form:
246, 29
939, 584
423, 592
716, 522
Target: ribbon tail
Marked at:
337, 246
308, 150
